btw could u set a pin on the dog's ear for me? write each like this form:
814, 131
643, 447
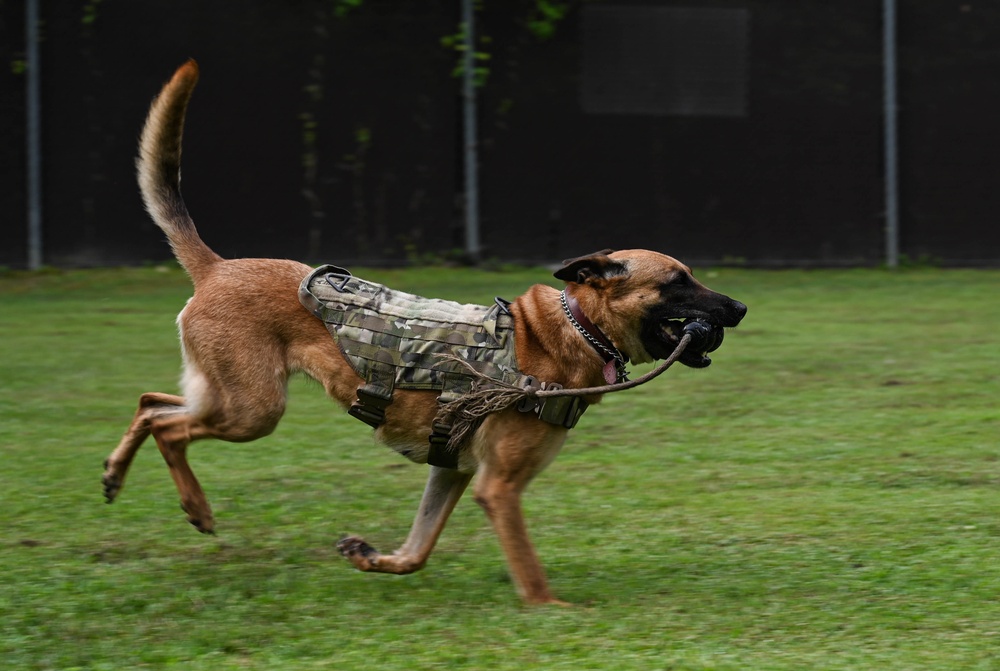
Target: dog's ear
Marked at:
592, 266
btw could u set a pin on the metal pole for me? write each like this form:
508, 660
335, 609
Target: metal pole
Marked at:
34, 144
469, 134
891, 152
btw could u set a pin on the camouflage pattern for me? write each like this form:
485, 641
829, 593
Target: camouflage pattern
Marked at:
394, 339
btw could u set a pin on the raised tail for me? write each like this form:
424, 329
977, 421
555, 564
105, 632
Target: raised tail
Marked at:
159, 168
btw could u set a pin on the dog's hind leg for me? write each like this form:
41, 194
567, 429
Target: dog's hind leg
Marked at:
206, 411
173, 435
167, 417
151, 406
247, 407
444, 488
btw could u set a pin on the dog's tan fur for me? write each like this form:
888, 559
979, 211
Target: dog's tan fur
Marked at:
236, 369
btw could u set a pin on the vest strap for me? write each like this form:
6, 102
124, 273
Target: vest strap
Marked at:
371, 404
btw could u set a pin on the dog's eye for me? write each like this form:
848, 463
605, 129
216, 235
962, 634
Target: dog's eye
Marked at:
679, 280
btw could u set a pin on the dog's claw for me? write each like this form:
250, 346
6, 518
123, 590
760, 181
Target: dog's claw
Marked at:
112, 485
358, 552
203, 527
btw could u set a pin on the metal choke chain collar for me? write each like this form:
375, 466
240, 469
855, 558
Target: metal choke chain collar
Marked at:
609, 353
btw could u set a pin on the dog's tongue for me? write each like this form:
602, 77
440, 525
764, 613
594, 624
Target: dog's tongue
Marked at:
611, 372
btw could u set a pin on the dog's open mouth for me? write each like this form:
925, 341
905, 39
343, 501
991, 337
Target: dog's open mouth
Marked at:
705, 338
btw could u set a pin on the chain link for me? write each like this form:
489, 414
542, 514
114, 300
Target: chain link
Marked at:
614, 354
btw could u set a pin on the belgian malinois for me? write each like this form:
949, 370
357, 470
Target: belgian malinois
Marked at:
626, 305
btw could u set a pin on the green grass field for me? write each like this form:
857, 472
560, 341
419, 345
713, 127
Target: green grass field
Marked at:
825, 496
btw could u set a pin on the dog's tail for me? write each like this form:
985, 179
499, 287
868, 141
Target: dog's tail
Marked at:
159, 168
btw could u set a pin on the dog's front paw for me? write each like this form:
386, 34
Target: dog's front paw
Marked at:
200, 517
358, 552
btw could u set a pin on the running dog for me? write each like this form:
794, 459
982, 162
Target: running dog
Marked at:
617, 306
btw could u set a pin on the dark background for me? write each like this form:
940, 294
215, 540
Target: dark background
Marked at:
719, 132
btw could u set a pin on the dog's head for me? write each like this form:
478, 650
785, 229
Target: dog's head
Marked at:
643, 300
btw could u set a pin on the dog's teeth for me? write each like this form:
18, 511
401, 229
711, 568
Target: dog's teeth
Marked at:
670, 332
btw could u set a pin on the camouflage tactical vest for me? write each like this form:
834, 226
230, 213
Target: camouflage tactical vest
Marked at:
395, 340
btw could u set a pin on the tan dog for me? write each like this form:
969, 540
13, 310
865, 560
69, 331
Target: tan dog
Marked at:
236, 370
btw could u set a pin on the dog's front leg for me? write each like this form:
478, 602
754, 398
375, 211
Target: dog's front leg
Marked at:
444, 488
517, 457
501, 500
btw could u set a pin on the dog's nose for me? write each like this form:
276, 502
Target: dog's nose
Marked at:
739, 312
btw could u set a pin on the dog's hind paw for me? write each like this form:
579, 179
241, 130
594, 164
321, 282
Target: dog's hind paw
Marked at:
358, 552
112, 484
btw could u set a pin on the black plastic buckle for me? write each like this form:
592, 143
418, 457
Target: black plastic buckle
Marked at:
573, 412
564, 411
529, 403
370, 407
373, 418
441, 434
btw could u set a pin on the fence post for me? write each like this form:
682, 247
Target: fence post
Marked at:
34, 128
469, 133
891, 153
